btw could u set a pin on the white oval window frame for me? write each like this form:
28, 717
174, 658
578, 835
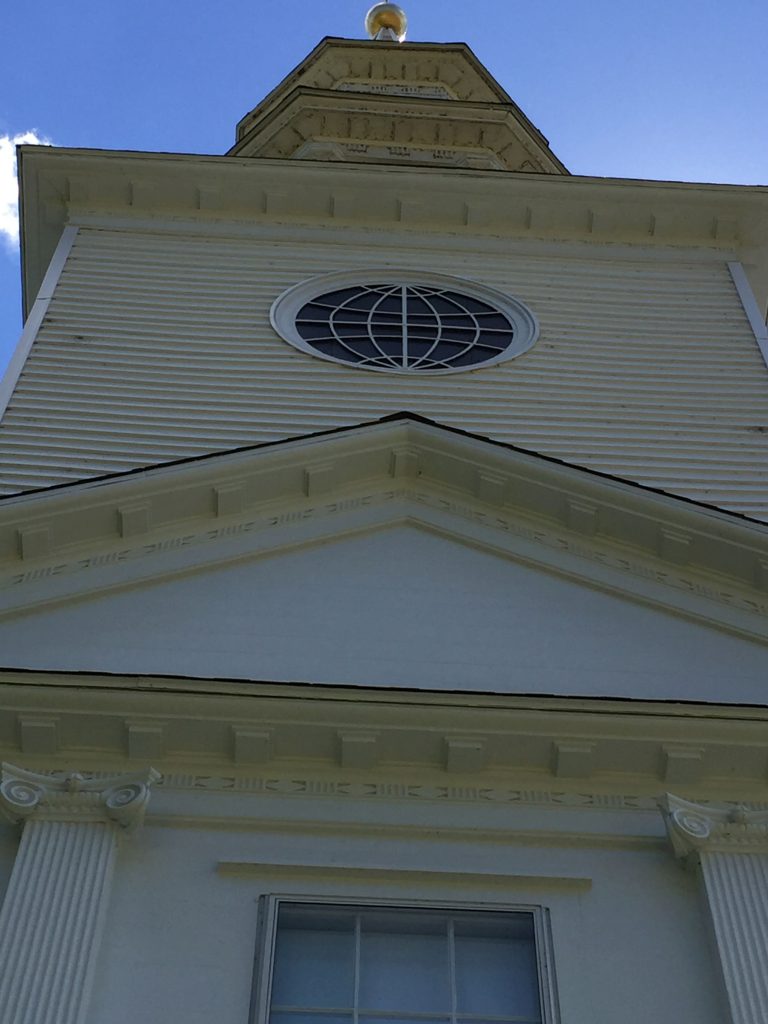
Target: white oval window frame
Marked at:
283, 312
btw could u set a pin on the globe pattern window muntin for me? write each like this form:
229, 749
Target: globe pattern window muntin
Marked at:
395, 322
404, 327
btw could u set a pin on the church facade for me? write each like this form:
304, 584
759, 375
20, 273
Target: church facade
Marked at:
384, 574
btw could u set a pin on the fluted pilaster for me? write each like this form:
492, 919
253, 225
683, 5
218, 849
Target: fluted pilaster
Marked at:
730, 848
55, 906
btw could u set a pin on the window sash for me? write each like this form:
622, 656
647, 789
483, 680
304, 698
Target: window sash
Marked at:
263, 976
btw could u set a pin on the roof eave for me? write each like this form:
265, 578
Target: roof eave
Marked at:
43, 217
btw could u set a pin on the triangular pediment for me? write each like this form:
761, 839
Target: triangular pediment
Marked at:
400, 604
279, 558
410, 103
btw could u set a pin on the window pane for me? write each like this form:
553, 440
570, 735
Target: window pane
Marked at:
496, 971
314, 961
376, 312
404, 962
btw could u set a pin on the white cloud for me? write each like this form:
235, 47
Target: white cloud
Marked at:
9, 189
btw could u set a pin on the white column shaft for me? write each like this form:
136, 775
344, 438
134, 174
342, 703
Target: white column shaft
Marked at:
737, 893
51, 920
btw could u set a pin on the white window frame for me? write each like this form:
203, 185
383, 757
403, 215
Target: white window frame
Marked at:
269, 907
287, 306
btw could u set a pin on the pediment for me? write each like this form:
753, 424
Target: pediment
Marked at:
391, 602
395, 103
414, 512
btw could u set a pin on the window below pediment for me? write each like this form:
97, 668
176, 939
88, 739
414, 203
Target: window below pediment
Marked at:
332, 963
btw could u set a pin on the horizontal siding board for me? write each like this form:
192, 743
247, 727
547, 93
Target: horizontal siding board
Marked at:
158, 347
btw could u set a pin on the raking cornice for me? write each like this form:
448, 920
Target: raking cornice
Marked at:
615, 535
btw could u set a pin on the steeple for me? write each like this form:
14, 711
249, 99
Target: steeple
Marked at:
383, 100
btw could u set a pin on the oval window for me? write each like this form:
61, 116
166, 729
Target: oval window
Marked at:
403, 322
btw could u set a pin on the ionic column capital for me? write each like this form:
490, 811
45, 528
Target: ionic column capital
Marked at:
122, 799
694, 828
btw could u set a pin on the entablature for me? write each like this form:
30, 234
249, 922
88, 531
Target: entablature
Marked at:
222, 735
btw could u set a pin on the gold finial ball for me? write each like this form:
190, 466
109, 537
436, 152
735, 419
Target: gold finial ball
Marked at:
383, 16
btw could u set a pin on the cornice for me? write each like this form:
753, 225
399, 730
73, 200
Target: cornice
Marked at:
425, 129
618, 709
66, 186
297, 740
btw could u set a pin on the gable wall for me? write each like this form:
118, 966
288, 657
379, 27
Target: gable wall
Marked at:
158, 346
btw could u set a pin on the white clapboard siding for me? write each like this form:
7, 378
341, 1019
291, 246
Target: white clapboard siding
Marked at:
158, 347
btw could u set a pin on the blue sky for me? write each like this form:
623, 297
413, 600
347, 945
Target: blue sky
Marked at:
675, 89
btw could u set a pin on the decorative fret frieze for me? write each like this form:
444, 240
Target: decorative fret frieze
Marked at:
258, 531
383, 789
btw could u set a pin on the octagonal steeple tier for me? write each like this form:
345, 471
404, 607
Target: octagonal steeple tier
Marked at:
381, 101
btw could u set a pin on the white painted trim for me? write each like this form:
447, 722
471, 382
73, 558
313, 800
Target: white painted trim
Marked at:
36, 316
398, 236
365, 872
751, 308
